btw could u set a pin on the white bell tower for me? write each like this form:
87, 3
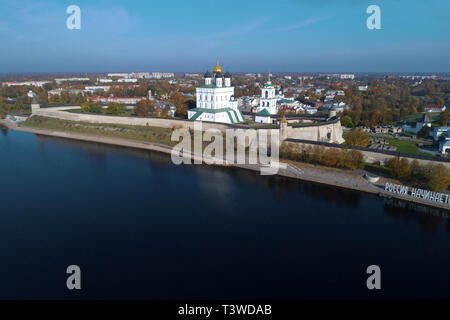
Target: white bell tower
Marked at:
268, 99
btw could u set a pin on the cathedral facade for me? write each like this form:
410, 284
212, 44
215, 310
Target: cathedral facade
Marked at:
215, 100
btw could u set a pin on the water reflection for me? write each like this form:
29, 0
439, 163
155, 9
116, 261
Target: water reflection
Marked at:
430, 219
222, 183
4, 130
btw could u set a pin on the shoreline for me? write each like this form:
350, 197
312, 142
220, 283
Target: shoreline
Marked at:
326, 176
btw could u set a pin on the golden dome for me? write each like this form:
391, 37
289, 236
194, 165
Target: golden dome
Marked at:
217, 68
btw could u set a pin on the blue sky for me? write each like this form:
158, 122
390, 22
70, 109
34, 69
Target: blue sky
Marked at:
247, 35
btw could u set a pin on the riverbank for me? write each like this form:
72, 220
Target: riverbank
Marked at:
345, 179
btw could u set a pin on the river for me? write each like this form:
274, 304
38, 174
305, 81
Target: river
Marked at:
140, 227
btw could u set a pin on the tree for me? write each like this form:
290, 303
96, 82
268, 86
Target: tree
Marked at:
416, 170
91, 107
357, 138
439, 178
424, 132
394, 164
355, 160
115, 108
404, 169
145, 108
178, 100
443, 118
346, 121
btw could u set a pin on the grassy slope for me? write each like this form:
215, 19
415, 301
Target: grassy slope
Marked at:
149, 134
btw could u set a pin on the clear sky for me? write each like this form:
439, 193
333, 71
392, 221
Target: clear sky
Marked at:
247, 35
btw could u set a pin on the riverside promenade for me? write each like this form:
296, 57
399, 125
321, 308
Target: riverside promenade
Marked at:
353, 180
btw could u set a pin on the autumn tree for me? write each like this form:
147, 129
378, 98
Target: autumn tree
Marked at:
346, 121
144, 108
394, 164
443, 118
91, 107
424, 132
115, 108
404, 169
178, 100
439, 178
357, 138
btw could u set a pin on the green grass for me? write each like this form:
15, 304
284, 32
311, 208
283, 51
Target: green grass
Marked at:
434, 116
148, 134
405, 146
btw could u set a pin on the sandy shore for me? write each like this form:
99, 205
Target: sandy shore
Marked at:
353, 180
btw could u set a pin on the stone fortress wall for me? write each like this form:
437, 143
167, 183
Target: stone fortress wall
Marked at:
329, 131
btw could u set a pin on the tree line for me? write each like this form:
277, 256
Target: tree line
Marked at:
332, 157
433, 177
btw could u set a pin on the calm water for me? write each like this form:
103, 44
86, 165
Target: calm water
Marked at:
140, 227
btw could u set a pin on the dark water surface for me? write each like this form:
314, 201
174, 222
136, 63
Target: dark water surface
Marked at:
141, 227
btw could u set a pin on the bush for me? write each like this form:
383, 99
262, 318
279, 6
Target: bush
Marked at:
357, 138
91, 107
439, 178
115, 108
346, 121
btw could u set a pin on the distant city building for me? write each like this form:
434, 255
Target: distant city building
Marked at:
119, 75
26, 83
60, 80
127, 80
104, 80
347, 76
363, 88
123, 100
431, 108
161, 75
96, 88
57, 92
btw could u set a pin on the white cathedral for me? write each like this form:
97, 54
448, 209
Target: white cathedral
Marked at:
215, 100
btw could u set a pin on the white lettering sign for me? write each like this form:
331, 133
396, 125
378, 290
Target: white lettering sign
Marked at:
418, 193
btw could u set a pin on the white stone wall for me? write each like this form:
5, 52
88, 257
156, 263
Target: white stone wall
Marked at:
317, 133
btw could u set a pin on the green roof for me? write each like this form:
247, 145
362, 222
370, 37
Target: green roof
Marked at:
198, 114
211, 110
263, 112
199, 111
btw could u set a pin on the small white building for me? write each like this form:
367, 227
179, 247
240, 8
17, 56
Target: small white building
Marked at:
263, 116
415, 127
438, 132
444, 142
